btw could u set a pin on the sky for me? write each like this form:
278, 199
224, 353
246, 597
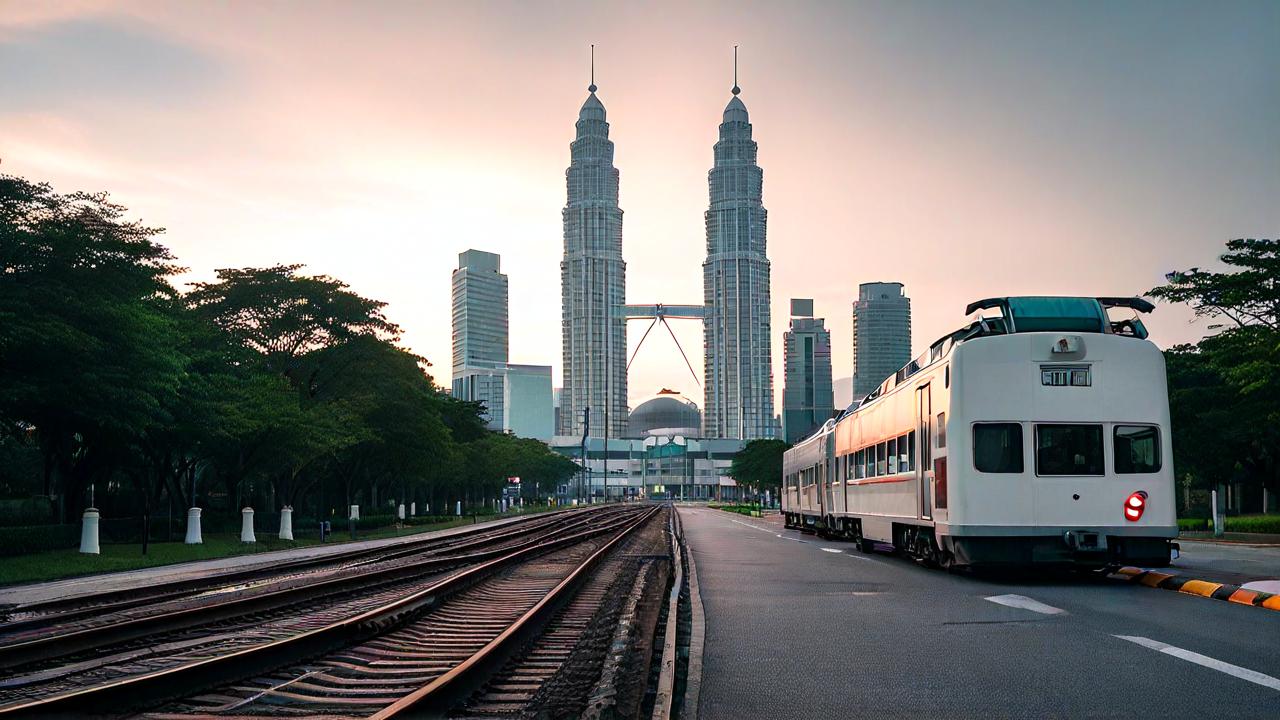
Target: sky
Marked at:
967, 150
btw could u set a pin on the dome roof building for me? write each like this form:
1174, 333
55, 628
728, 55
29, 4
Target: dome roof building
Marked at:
668, 413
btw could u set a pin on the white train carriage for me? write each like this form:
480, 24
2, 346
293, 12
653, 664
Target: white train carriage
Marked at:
1038, 433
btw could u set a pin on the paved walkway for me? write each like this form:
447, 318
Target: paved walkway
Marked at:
107, 582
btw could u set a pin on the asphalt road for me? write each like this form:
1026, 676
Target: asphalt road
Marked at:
798, 627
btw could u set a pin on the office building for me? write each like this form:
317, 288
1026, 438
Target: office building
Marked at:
881, 334
806, 394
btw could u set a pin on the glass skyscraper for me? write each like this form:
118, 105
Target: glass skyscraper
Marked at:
881, 334
593, 283
738, 378
806, 393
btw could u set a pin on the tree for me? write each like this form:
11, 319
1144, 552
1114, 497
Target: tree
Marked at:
759, 464
1248, 297
1224, 392
88, 349
283, 315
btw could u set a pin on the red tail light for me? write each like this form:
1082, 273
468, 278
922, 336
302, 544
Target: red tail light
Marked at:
1134, 506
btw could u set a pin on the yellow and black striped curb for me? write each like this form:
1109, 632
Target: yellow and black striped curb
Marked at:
1203, 588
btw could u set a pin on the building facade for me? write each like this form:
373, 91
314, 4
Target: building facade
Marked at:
593, 283
480, 332
738, 370
480, 329
807, 400
881, 334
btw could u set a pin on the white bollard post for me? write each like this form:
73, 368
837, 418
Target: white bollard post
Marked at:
400, 511
413, 509
426, 508
286, 522
355, 512
193, 527
1213, 509
89, 532
246, 526
459, 508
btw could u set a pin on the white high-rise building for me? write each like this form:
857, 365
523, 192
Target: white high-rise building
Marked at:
881, 334
593, 283
738, 377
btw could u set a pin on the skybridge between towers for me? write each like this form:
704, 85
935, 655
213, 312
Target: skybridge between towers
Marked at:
658, 313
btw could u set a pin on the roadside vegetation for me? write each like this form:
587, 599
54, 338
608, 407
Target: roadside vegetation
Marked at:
1224, 392
265, 387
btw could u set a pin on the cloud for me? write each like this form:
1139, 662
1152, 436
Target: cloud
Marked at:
84, 62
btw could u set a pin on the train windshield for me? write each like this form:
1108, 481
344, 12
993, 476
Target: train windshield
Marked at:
1066, 314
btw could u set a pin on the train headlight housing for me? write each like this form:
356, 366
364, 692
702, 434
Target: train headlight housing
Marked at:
1135, 505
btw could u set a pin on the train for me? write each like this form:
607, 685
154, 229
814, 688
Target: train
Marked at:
1036, 434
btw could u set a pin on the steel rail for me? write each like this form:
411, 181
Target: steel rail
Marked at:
53, 645
81, 605
441, 694
170, 682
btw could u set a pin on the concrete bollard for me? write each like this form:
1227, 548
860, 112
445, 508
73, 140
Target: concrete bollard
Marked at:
459, 508
355, 512
286, 522
89, 532
246, 526
193, 527
400, 511
413, 509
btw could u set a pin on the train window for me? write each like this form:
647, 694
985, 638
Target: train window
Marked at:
1069, 450
859, 468
871, 461
942, 430
911, 450
882, 460
997, 447
893, 456
946, 376
903, 455
1137, 449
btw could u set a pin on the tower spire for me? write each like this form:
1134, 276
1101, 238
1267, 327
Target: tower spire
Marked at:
736, 89
592, 86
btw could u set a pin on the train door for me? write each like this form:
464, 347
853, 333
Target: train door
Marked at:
924, 446
829, 466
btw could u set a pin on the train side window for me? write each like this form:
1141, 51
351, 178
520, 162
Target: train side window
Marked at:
871, 461
859, 468
942, 430
1069, 450
997, 447
911, 450
893, 456
1137, 449
882, 460
904, 457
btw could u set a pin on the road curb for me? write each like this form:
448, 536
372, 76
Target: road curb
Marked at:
1203, 588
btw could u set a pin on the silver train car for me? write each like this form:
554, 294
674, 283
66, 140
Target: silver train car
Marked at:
1037, 433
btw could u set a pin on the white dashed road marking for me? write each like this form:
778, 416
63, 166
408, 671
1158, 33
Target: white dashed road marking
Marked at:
834, 550
1025, 603
753, 526
1205, 661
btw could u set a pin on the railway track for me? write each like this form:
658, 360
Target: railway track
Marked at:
37, 615
71, 635
378, 653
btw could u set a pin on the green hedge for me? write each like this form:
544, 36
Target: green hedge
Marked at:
1254, 524
1235, 523
24, 540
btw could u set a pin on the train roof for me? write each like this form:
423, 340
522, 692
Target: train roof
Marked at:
1024, 314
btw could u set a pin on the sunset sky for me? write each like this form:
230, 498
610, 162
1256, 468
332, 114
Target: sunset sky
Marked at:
965, 149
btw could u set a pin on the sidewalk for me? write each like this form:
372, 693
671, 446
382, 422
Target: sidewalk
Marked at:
1251, 566
108, 582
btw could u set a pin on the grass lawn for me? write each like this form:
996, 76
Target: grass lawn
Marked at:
57, 564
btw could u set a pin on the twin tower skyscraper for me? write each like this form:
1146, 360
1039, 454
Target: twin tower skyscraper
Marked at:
738, 375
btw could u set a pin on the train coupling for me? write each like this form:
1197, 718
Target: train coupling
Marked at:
1085, 540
